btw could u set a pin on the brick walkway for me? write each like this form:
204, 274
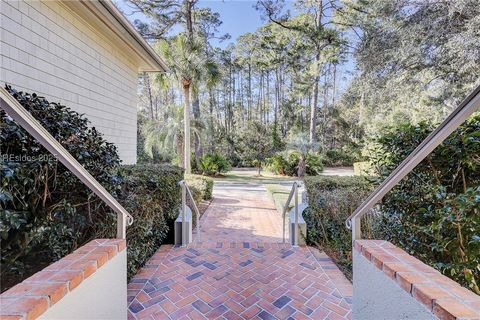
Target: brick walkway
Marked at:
240, 270
241, 212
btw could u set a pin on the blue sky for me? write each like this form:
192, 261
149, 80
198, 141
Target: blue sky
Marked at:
238, 16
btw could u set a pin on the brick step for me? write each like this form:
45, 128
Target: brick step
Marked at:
240, 280
238, 245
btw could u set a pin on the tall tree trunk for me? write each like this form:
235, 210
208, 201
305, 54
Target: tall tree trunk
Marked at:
186, 120
261, 99
324, 124
187, 83
180, 151
267, 107
149, 91
314, 106
156, 107
277, 97
211, 103
188, 17
334, 93
301, 167
196, 115
250, 102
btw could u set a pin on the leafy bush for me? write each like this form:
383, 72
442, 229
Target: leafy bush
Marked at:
331, 200
314, 164
434, 212
362, 168
46, 212
254, 145
277, 164
287, 163
45, 209
213, 164
292, 163
338, 157
151, 194
201, 187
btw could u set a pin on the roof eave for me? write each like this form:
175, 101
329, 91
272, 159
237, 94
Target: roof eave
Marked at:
116, 22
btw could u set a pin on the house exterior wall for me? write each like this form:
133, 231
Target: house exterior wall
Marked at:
47, 48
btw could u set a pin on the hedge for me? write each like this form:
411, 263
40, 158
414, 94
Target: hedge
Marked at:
338, 157
151, 194
434, 212
213, 164
331, 200
47, 212
201, 187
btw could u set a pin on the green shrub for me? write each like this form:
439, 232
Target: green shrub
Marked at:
338, 157
287, 163
213, 164
201, 187
45, 210
331, 200
277, 164
151, 194
434, 212
292, 163
314, 164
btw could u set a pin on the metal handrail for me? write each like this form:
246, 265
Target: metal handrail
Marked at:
22, 117
293, 192
458, 116
186, 191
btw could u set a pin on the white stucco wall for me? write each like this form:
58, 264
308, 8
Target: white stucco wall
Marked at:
48, 49
103, 295
376, 296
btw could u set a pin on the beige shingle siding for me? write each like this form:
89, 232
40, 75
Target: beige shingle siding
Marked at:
48, 49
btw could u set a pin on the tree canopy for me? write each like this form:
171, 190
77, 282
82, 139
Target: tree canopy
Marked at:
338, 71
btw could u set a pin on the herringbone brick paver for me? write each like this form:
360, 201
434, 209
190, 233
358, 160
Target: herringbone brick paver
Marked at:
252, 275
242, 212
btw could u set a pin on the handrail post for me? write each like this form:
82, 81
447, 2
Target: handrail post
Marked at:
184, 209
284, 214
356, 228
197, 213
121, 226
295, 241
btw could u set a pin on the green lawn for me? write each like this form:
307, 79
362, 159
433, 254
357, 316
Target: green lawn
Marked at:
279, 194
250, 175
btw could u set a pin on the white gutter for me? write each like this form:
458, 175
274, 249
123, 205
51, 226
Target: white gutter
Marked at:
133, 32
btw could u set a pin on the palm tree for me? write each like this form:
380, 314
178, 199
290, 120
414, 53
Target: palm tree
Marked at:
167, 134
300, 142
188, 62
